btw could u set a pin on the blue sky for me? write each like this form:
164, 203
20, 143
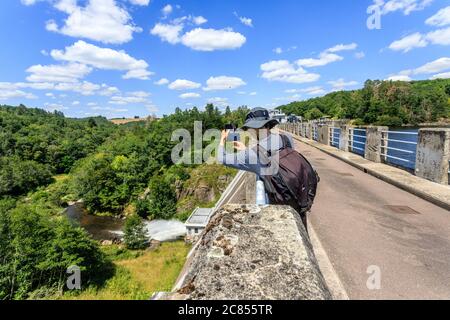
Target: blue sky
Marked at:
121, 58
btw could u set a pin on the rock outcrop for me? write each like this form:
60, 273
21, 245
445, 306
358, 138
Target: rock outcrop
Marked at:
256, 253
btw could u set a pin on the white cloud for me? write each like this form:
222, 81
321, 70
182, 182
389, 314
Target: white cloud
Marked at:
405, 6
439, 37
162, 82
108, 91
246, 21
253, 93
100, 20
137, 97
328, 56
15, 94
168, 32
341, 84
323, 60
399, 77
103, 58
440, 19
435, 66
342, 47
317, 90
85, 88
199, 20
407, 43
182, 84
190, 95
278, 50
76, 103
168, 9
28, 2
54, 107
360, 55
140, 2
284, 71
223, 83
218, 101
212, 39
71, 72
444, 75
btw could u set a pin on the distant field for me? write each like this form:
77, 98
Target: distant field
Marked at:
125, 121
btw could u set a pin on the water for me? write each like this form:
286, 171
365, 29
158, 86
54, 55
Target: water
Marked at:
163, 230
100, 228
109, 228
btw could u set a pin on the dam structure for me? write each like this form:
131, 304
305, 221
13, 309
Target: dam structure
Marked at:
371, 218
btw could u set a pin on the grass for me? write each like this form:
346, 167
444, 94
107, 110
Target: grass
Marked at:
138, 274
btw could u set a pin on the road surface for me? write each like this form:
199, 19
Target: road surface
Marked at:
367, 225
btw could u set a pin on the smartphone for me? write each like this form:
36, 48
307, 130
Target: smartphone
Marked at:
234, 136
230, 127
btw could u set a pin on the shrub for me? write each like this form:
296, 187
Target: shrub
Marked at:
135, 236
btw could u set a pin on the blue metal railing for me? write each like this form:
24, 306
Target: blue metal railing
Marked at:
399, 148
335, 136
357, 141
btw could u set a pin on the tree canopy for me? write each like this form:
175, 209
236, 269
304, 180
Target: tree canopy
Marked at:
391, 103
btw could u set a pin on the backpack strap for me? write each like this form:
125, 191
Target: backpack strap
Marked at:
286, 142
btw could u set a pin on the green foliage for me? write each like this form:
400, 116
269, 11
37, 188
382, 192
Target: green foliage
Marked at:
134, 233
381, 102
35, 144
313, 114
162, 199
18, 177
36, 250
107, 166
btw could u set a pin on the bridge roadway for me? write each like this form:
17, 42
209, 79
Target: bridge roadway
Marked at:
362, 221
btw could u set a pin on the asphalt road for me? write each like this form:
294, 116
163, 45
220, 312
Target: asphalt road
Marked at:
408, 244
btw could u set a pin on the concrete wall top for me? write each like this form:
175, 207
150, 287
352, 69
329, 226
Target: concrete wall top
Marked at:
256, 253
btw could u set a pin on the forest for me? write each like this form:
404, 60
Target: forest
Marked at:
48, 160
390, 103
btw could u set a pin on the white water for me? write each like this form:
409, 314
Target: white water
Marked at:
163, 230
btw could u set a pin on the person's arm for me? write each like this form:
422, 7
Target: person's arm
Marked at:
239, 160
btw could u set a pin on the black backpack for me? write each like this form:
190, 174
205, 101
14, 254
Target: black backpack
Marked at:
296, 182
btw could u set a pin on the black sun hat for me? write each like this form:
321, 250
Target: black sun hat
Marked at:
259, 118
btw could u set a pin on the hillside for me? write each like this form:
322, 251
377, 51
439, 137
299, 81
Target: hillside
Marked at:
48, 160
381, 102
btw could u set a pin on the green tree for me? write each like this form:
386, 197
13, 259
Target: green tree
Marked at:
162, 199
135, 237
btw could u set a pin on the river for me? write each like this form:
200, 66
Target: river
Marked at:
110, 228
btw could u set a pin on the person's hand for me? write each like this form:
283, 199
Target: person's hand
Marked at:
224, 137
239, 146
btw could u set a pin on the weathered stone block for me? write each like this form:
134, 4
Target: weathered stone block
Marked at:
324, 134
433, 155
250, 252
374, 143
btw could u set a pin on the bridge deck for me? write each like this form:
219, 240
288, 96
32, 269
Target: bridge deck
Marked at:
362, 221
